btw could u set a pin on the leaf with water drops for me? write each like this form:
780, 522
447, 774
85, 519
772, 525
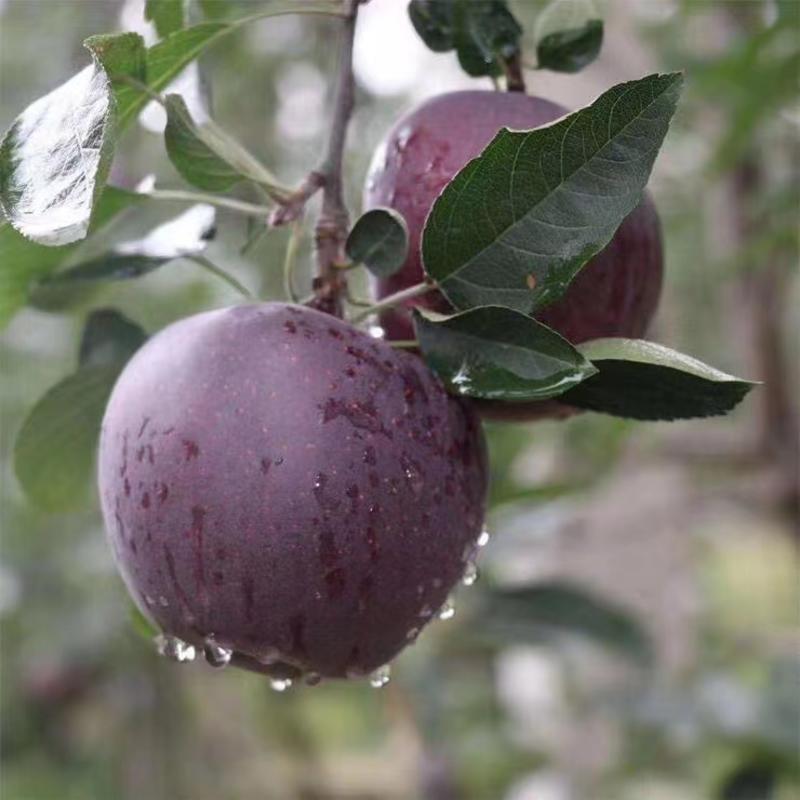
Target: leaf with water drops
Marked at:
515, 226
55, 449
167, 15
546, 611
206, 156
495, 353
55, 156
569, 35
379, 241
645, 380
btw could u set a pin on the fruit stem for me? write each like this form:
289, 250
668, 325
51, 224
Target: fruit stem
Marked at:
393, 300
515, 80
331, 229
242, 207
211, 267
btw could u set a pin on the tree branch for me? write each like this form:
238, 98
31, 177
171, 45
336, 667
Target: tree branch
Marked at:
331, 229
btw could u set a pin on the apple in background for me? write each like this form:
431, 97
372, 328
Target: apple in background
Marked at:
615, 294
287, 492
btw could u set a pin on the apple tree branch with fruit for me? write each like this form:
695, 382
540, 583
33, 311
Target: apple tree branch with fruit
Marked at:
297, 487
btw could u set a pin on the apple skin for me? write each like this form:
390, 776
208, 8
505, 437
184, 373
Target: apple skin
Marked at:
615, 294
302, 492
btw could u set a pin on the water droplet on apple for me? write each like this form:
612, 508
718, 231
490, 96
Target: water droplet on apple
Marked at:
215, 654
380, 677
447, 611
175, 649
280, 684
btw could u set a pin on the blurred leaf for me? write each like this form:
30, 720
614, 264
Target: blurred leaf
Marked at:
55, 449
167, 15
538, 613
185, 235
109, 338
205, 155
379, 240
569, 35
498, 354
484, 33
749, 782
55, 156
644, 380
515, 226
22, 262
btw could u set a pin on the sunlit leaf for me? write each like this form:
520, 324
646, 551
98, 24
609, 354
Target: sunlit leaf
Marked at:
644, 380
55, 156
495, 353
520, 220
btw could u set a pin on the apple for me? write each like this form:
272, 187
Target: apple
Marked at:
615, 294
287, 492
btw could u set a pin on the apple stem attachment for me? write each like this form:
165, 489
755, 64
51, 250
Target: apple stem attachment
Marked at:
392, 300
515, 80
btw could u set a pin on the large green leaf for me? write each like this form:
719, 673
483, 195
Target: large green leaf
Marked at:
23, 262
495, 353
548, 610
55, 448
55, 156
569, 35
520, 220
379, 241
644, 380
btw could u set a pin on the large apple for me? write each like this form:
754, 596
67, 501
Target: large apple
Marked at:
288, 492
615, 294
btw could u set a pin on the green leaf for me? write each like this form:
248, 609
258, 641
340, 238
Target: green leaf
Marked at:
55, 448
109, 267
122, 55
484, 33
54, 451
569, 35
167, 58
571, 50
55, 156
379, 240
141, 625
109, 338
644, 380
167, 15
549, 610
495, 353
515, 226
205, 155
23, 262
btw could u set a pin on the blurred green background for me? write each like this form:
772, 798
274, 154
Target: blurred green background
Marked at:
687, 530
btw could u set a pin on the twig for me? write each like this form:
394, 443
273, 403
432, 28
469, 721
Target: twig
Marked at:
393, 300
289, 262
292, 207
248, 209
331, 229
211, 267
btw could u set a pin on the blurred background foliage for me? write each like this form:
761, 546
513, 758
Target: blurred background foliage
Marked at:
640, 639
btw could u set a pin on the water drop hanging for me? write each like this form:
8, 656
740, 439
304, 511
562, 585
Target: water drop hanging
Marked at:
483, 539
447, 611
470, 574
215, 654
280, 684
380, 677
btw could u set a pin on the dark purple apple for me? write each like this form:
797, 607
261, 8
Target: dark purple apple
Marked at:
287, 491
615, 294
